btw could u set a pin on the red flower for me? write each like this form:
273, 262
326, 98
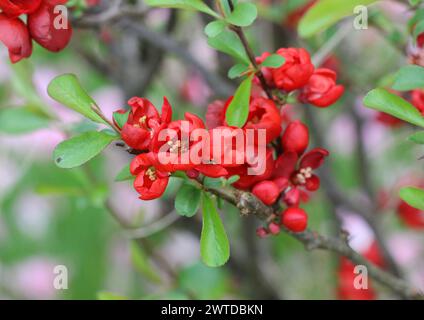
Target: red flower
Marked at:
14, 35
417, 99
43, 30
295, 137
295, 219
263, 114
15, 8
264, 171
411, 216
150, 183
321, 89
143, 122
289, 173
266, 191
295, 72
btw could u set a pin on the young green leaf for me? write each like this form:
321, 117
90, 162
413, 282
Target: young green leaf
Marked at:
214, 245
21, 120
273, 61
237, 70
382, 100
408, 78
67, 90
229, 43
417, 137
238, 110
80, 149
196, 5
233, 179
124, 174
243, 14
187, 201
413, 196
121, 118
325, 13
214, 28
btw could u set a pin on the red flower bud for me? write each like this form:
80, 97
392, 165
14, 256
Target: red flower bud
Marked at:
412, 217
295, 137
261, 232
49, 29
192, 173
417, 99
14, 35
266, 191
321, 89
295, 72
274, 228
295, 219
15, 8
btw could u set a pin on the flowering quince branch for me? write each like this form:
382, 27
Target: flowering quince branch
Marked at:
241, 144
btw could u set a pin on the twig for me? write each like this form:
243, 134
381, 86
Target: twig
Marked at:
248, 204
99, 112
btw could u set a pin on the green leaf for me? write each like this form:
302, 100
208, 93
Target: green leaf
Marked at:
214, 246
121, 118
238, 110
243, 14
414, 2
237, 70
228, 42
187, 201
417, 137
325, 13
273, 61
233, 179
124, 174
67, 90
213, 182
196, 5
214, 28
408, 78
80, 149
413, 196
382, 100
21, 120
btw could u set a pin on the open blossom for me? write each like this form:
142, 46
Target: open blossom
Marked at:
321, 89
150, 182
263, 114
41, 18
295, 72
143, 122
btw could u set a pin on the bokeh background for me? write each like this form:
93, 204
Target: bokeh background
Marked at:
117, 246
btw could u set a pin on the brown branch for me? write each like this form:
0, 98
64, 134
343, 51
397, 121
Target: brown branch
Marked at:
248, 204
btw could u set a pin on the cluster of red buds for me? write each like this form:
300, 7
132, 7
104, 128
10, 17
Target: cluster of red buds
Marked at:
286, 172
50, 28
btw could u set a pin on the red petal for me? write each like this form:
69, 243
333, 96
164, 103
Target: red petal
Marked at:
215, 114
141, 162
285, 165
166, 111
312, 183
314, 158
42, 28
14, 34
16, 8
136, 138
212, 170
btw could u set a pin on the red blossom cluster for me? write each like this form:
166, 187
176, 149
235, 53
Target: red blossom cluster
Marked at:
316, 86
288, 170
43, 25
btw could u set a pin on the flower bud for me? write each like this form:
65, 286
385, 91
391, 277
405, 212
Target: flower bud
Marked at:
295, 219
14, 35
266, 191
274, 228
261, 232
295, 137
292, 197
